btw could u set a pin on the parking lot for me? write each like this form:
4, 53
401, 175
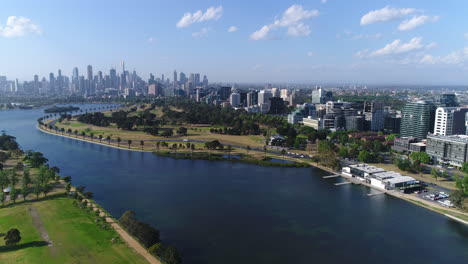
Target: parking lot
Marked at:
435, 194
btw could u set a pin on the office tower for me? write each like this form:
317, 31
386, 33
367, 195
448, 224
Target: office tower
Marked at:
188, 87
90, 72
51, 82
319, 96
162, 78
450, 121
196, 79
113, 78
123, 66
466, 123
374, 113
174, 81
264, 97
447, 100
205, 81
284, 93
392, 124
275, 92
182, 78
252, 98
448, 149
224, 92
234, 99
417, 119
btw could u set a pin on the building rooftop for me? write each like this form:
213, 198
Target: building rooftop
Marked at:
366, 168
387, 175
401, 179
455, 138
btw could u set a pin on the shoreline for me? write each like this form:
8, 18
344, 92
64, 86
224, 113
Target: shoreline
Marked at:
433, 207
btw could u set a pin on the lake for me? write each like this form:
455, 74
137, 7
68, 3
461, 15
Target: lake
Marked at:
230, 212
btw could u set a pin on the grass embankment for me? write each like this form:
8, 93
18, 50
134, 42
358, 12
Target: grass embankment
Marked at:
74, 235
195, 132
237, 158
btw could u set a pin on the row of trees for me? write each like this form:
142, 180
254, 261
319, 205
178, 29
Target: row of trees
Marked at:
149, 237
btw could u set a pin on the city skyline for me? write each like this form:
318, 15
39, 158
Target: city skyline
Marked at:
293, 41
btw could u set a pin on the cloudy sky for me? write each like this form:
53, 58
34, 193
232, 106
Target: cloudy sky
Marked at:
397, 42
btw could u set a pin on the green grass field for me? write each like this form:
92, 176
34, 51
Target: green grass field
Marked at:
75, 237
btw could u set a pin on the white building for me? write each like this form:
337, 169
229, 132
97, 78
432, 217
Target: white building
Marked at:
450, 121
284, 94
264, 97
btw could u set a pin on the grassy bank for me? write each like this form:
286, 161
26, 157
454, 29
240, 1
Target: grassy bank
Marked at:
238, 158
75, 236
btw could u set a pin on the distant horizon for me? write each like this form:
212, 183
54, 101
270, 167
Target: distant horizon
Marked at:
378, 42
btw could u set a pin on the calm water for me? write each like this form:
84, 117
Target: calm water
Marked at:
223, 212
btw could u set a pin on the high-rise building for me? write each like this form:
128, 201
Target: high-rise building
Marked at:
450, 121
320, 96
374, 113
235, 99
275, 92
182, 78
51, 82
284, 93
417, 119
252, 98
113, 78
90, 72
447, 100
264, 97
196, 79
448, 149
205, 81
174, 81
224, 92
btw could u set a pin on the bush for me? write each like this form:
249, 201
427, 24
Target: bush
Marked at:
145, 233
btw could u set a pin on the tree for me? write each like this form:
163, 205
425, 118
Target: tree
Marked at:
420, 157
46, 188
24, 191
13, 194
68, 187
283, 152
142, 143
100, 138
12, 237
363, 156
167, 133
118, 141
182, 131
464, 167
158, 144
2, 197
435, 173
129, 143
343, 152
108, 138
37, 188
247, 149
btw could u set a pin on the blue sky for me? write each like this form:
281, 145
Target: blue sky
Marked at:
339, 41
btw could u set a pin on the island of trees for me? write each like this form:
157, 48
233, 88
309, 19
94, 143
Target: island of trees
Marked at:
61, 109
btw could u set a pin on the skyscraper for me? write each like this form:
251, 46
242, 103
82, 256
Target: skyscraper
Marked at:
374, 113
51, 82
450, 121
320, 96
235, 99
90, 72
174, 81
417, 119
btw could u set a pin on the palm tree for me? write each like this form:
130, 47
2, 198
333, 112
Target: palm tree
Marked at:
265, 150
142, 143
100, 138
129, 143
108, 138
118, 141
229, 148
157, 146
83, 134
247, 149
91, 135
283, 152
76, 133
192, 148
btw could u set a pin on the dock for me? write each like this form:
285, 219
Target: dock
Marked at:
331, 176
342, 183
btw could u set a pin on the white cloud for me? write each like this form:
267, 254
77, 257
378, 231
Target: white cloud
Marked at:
292, 19
453, 58
323, 1
151, 40
416, 21
232, 29
310, 54
257, 67
398, 47
200, 33
361, 54
212, 13
19, 26
385, 14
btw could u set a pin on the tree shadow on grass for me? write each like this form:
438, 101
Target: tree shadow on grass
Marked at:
23, 246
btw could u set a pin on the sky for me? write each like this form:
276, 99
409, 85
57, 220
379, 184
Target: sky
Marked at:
262, 41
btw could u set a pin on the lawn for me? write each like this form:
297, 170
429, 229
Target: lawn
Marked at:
75, 237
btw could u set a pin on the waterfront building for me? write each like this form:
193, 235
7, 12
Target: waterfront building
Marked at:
448, 149
418, 119
450, 121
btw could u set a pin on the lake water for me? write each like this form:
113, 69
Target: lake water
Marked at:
229, 212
